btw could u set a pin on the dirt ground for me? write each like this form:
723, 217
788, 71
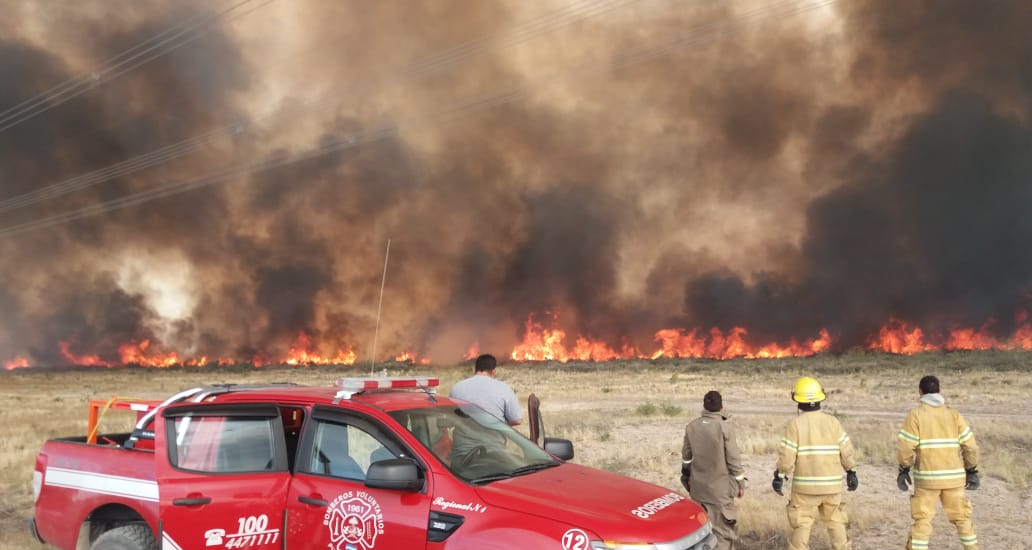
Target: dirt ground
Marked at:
630, 419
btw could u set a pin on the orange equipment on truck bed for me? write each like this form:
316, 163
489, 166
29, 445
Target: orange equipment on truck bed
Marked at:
100, 406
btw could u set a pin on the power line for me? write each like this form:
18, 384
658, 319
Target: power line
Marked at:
115, 66
423, 67
447, 114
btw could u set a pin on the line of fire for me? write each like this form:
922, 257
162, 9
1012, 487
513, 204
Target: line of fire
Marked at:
544, 343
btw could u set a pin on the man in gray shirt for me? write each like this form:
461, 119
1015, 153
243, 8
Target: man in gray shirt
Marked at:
487, 392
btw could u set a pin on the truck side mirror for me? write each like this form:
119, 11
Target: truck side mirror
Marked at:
401, 474
561, 448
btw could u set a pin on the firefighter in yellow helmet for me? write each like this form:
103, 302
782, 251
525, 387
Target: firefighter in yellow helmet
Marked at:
815, 452
946, 463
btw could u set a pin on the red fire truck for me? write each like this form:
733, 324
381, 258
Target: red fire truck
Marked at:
370, 463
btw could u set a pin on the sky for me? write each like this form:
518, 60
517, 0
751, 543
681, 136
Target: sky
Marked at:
222, 179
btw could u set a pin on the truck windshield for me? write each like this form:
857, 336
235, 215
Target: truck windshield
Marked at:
475, 445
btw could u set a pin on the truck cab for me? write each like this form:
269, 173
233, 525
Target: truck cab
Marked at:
363, 464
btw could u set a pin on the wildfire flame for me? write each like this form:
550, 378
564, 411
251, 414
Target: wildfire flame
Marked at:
304, 352
550, 343
412, 358
16, 363
902, 338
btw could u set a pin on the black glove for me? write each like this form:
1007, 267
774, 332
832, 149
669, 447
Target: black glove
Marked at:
971, 482
686, 476
778, 483
903, 478
851, 481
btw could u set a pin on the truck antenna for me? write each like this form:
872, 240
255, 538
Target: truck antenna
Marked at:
379, 307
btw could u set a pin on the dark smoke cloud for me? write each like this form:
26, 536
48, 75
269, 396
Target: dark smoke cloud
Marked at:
830, 170
928, 226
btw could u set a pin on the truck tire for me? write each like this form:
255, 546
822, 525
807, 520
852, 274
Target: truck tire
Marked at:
127, 537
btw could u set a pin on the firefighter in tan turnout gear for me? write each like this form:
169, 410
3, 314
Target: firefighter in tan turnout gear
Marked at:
712, 471
815, 452
941, 448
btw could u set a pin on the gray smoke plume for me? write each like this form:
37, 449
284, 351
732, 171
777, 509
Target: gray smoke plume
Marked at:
830, 169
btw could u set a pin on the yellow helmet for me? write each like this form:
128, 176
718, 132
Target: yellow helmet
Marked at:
808, 390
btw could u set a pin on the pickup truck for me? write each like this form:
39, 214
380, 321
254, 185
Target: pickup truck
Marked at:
367, 463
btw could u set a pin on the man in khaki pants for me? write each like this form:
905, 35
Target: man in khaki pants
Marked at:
946, 464
817, 450
712, 470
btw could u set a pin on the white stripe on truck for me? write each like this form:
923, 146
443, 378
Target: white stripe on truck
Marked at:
168, 544
104, 484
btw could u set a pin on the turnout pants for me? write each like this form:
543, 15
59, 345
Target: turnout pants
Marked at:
724, 520
803, 511
957, 507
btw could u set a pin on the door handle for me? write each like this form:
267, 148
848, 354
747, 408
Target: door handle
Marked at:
197, 501
312, 501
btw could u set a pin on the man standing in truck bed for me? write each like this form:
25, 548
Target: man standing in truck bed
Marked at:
712, 470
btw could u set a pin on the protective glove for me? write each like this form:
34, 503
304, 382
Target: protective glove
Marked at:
778, 483
903, 478
971, 481
686, 476
851, 481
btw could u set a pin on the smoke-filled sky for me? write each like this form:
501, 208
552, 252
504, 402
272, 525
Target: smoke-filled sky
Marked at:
624, 166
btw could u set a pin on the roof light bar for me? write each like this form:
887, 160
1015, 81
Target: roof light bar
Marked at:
350, 386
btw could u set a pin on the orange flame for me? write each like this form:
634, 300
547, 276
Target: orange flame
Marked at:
549, 343
86, 360
900, 337
304, 352
135, 353
678, 343
411, 358
16, 363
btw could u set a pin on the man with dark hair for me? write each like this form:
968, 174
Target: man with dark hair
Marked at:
711, 468
940, 446
489, 393
816, 451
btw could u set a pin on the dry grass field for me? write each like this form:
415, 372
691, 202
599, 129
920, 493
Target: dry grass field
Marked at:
629, 418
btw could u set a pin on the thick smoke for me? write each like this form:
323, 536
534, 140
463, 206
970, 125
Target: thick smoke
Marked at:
831, 169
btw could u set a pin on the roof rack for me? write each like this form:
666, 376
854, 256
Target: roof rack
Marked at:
349, 387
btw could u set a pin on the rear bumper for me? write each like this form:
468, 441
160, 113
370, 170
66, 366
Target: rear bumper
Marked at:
35, 532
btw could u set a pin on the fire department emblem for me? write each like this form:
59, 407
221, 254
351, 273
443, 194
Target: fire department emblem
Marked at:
355, 520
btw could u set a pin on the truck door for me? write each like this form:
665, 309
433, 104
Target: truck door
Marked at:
222, 477
329, 505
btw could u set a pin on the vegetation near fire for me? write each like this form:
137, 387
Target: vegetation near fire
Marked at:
629, 417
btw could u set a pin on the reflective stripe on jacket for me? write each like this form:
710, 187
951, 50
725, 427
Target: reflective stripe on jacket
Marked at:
943, 443
819, 451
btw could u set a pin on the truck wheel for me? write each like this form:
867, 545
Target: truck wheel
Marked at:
127, 537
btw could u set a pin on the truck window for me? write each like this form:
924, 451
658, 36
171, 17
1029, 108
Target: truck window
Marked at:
471, 442
344, 450
224, 444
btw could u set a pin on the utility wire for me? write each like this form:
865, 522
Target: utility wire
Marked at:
116, 66
423, 67
442, 116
